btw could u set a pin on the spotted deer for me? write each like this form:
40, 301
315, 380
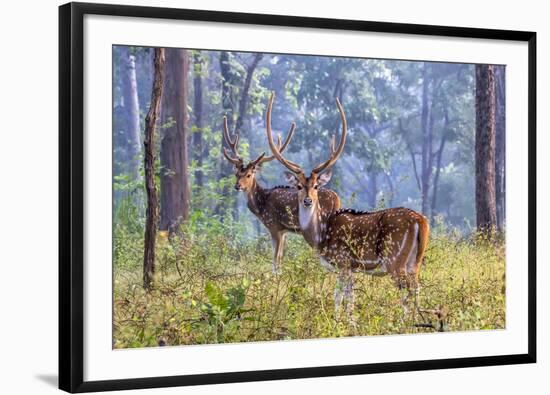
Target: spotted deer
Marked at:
276, 208
391, 241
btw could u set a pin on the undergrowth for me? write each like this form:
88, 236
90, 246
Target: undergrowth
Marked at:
213, 288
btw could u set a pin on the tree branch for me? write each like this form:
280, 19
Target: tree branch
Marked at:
244, 94
411, 152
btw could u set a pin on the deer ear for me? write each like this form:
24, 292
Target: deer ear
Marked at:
324, 178
291, 178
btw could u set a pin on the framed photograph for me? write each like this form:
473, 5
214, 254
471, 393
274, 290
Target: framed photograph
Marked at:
259, 197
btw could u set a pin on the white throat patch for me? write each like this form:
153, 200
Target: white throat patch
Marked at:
308, 221
306, 215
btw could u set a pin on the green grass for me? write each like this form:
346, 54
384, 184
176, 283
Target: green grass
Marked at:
212, 289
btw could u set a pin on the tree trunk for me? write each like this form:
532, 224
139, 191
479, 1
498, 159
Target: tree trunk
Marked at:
149, 166
175, 190
408, 144
373, 190
243, 103
439, 158
131, 111
485, 148
426, 153
197, 135
391, 187
500, 146
229, 108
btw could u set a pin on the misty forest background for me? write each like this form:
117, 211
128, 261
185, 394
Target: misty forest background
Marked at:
424, 135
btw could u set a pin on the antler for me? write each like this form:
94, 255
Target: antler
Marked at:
335, 153
293, 167
237, 160
280, 147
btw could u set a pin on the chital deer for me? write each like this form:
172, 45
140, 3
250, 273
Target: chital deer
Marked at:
389, 241
276, 208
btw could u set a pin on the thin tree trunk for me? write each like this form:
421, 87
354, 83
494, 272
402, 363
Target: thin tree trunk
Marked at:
411, 153
149, 167
485, 148
391, 186
228, 109
500, 148
373, 190
424, 126
228, 105
243, 102
435, 187
243, 106
131, 111
197, 135
175, 189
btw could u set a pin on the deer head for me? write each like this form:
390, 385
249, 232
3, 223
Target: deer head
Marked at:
308, 186
246, 173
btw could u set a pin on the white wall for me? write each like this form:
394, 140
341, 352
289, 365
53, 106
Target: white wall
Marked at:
28, 193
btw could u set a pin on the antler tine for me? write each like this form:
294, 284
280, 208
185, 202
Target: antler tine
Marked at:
333, 144
280, 146
293, 167
288, 137
231, 143
235, 161
335, 154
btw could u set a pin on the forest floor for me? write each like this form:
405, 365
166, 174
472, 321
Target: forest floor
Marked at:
212, 289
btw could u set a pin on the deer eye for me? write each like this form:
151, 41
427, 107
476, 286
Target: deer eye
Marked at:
248, 176
299, 187
316, 187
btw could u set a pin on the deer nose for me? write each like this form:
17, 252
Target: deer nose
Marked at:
307, 202
237, 187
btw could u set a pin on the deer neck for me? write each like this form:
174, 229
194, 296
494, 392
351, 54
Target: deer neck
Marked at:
310, 224
255, 198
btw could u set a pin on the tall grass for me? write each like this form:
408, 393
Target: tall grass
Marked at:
214, 287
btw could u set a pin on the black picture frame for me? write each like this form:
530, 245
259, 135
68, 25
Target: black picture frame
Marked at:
71, 197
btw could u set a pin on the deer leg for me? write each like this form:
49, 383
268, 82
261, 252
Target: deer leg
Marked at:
349, 295
338, 294
400, 253
412, 271
278, 241
405, 294
409, 289
400, 280
279, 253
414, 291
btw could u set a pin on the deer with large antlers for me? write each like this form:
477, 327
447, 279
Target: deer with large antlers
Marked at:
276, 208
391, 241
